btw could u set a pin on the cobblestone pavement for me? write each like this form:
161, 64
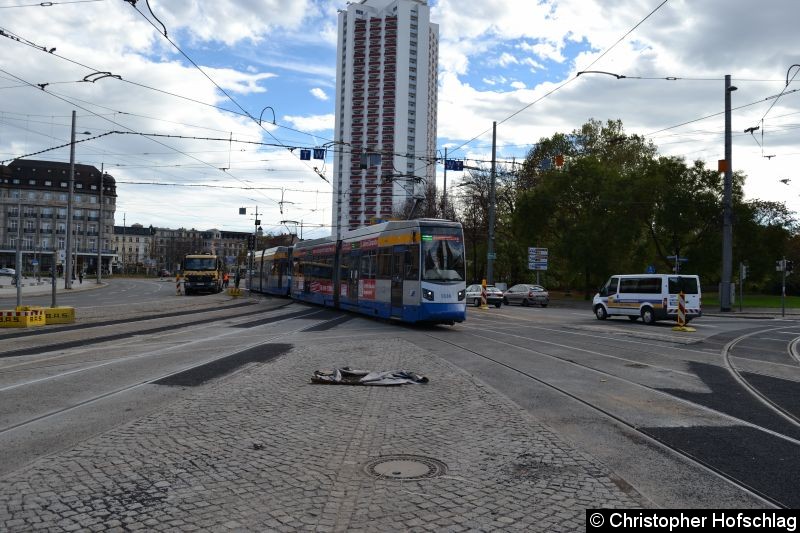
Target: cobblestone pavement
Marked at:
266, 450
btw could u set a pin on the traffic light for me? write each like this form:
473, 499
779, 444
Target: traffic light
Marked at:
251, 242
789, 265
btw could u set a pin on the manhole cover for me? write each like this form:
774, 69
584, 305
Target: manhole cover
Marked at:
405, 467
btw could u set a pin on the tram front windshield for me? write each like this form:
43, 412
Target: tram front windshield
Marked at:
442, 255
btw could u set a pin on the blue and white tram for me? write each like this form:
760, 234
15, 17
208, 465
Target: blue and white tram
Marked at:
411, 270
272, 271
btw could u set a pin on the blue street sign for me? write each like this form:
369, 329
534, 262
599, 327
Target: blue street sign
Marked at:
319, 153
453, 164
651, 269
305, 155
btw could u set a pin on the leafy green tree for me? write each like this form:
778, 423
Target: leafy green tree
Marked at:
685, 213
575, 208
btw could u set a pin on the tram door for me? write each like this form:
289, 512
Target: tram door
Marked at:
352, 285
399, 254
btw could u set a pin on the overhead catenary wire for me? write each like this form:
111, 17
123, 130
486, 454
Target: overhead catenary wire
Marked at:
567, 82
122, 126
221, 89
51, 4
10, 35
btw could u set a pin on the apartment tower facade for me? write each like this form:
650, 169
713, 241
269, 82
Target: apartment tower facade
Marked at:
386, 101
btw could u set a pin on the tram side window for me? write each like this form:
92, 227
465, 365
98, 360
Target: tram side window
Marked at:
325, 268
412, 264
384, 263
344, 267
368, 265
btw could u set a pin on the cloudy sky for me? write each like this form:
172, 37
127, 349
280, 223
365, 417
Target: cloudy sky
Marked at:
181, 103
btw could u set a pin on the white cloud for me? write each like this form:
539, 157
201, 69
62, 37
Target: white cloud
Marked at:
497, 58
231, 21
507, 59
312, 123
319, 94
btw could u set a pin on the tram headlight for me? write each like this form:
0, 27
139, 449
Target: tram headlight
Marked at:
427, 294
462, 294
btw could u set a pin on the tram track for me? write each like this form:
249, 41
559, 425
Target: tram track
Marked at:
753, 390
163, 378
216, 315
644, 433
704, 355
27, 366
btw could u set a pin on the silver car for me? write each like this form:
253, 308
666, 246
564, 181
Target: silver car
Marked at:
494, 296
526, 294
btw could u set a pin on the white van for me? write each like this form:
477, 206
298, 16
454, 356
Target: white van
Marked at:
650, 296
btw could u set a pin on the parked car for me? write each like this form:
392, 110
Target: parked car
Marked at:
494, 296
8, 272
526, 294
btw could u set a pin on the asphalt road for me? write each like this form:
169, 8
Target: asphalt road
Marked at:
675, 415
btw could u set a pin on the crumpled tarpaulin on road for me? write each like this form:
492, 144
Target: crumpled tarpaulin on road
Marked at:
348, 376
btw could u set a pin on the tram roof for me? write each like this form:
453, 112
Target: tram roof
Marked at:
393, 225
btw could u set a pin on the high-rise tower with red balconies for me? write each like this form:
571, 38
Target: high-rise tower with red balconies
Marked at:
386, 89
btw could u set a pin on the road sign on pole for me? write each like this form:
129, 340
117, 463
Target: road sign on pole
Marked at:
537, 258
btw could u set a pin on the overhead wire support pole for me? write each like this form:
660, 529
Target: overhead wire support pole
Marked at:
68, 257
100, 232
490, 254
444, 187
727, 207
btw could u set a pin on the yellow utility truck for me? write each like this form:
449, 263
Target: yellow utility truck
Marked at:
202, 273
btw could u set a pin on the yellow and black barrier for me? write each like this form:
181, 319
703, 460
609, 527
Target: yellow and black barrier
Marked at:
22, 317
59, 315
234, 291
